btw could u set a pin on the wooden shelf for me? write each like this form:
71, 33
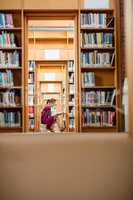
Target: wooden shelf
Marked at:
10, 48
97, 68
91, 29
10, 107
98, 87
11, 29
14, 87
98, 48
100, 127
95, 10
98, 106
11, 68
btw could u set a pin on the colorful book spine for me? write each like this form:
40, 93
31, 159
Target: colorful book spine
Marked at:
6, 20
9, 59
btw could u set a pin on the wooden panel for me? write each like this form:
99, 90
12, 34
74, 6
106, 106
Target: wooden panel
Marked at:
13, 4
51, 4
129, 57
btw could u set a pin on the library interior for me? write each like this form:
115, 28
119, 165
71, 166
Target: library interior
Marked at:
66, 98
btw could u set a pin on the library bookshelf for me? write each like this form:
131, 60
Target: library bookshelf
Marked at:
11, 88
96, 100
98, 82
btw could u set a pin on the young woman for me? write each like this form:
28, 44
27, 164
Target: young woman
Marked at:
46, 114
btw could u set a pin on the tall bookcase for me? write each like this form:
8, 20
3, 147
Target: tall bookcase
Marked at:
98, 81
71, 80
11, 90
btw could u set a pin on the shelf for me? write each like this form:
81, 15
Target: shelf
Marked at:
11, 29
98, 106
10, 68
12, 87
95, 10
98, 68
98, 48
96, 29
10, 107
98, 87
105, 127
10, 48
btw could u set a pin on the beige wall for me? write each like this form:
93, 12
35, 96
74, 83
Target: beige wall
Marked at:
39, 4
76, 167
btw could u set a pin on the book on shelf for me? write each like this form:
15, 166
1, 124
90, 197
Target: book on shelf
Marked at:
6, 79
98, 118
10, 119
71, 89
6, 20
71, 67
30, 100
7, 40
71, 78
32, 123
93, 20
9, 59
88, 79
71, 112
31, 65
31, 78
30, 89
96, 40
71, 123
31, 111
98, 98
10, 98
96, 59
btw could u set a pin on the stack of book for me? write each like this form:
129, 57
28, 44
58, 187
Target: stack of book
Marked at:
31, 65
71, 66
9, 98
6, 20
71, 123
96, 59
96, 40
98, 118
10, 119
6, 79
7, 40
88, 79
32, 123
93, 20
9, 59
98, 98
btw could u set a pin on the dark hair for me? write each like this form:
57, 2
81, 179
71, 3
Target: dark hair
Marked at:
52, 100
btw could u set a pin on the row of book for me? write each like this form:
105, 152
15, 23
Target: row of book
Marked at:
31, 78
6, 20
71, 66
95, 98
96, 40
88, 79
98, 118
6, 79
10, 98
71, 123
71, 78
96, 59
9, 59
10, 119
31, 65
31, 123
93, 20
7, 40
71, 112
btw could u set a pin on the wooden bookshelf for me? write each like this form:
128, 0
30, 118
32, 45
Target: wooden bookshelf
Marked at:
12, 111
71, 109
105, 73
